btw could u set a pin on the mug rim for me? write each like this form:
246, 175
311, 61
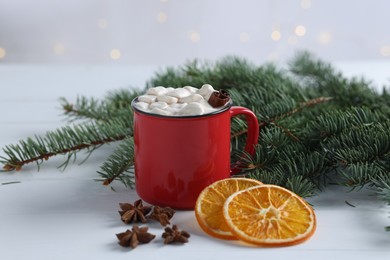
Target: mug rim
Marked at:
226, 107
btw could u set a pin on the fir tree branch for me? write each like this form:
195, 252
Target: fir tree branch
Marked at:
66, 140
382, 186
241, 129
118, 165
320, 78
115, 104
359, 174
333, 122
303, 105
84, 108
300, 185
286, 131
366, 143
229, 72
296, 183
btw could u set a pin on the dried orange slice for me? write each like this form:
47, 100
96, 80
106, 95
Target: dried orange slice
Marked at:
269, 215
209, 205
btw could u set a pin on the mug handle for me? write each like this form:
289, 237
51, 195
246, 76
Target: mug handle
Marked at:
252, 134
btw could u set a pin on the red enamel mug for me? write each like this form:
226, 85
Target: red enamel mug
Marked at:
176, 157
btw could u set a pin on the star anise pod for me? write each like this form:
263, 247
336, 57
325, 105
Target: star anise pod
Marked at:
137, 235
134, 213
162, 215
174, 235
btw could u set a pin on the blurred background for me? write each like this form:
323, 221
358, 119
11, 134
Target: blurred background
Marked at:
170, 32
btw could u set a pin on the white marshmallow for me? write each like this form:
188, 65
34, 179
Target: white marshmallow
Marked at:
179, 93
184, 101
193, 108
141, 105
191, 98
206, 90
159, 111
172, 111
174, 108
207, 107
191, 89
167, 99
158, 104
177, 105
147, 98
157, 91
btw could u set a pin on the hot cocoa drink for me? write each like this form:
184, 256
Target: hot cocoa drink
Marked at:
186, 101
182, 142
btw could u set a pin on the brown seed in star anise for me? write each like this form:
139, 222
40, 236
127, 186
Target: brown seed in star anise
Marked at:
174, 235
137, 235
162, 215
134, 213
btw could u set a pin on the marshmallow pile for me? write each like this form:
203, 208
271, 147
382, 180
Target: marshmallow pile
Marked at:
186, 101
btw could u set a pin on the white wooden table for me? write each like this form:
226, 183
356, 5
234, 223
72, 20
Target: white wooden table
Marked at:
54, 214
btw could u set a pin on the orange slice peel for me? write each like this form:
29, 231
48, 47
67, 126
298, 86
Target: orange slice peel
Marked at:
269, 216
209, 205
